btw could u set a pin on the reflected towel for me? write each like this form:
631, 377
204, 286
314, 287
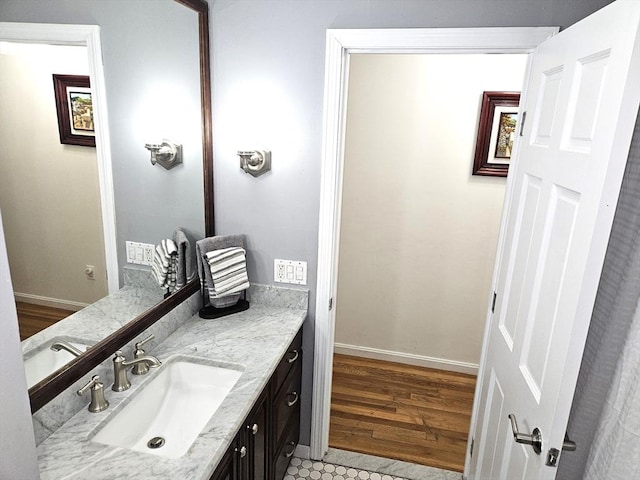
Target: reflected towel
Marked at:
184, 264
165, 263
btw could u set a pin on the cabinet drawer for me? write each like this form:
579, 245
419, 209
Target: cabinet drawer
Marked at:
285, 452
287, 403
290, 359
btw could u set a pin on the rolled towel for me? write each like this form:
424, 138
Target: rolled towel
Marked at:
185, 271
204, 271
164, 263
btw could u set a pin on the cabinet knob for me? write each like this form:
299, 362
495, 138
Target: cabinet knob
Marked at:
253, 428
296, 397
294, 356
243, 451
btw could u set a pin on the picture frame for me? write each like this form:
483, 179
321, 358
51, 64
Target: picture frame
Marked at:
74, 106
497, 130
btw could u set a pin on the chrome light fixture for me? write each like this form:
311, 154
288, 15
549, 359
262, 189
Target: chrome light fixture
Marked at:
168, 154
255, 162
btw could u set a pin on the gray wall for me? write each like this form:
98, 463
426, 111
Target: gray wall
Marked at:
145, 50
268, 78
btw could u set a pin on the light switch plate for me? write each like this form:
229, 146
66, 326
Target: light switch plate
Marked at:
140, 253
290, 271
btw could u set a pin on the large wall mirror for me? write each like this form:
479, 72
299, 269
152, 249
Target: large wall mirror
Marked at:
156, 67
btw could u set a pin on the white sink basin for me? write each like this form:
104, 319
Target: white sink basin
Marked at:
175, 406
46, 361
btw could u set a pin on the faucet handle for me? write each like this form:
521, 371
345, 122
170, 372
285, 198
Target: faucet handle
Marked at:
141, 368
142, 342
98, 402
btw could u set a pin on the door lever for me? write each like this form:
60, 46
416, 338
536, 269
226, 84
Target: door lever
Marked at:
568, 444
554, 453
534, 439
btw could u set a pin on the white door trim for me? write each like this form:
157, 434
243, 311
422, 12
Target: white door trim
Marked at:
89, 36
340, 44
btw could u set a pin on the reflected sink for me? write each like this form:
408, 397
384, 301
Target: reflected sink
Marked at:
45, 361
167, 415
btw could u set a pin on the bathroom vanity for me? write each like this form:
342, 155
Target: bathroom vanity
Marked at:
252, 433
268, 437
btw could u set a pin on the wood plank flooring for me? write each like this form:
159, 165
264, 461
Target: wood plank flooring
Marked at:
414, 414
33, 318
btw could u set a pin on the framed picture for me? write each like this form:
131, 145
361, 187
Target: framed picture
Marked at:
75, 110
497, 131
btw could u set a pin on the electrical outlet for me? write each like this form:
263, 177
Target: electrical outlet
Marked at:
290, 271
90, 272
148, 254
140, 253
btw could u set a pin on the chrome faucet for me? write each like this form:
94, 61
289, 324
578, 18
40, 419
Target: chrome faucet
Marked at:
120, 364
62, 345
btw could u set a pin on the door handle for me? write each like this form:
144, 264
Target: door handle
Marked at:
553, 454
568, 444
534, 439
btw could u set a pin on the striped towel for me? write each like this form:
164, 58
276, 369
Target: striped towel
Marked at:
164, 265
228, 271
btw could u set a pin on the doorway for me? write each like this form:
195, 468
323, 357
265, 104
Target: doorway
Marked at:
54, 190
340, 45
418, 233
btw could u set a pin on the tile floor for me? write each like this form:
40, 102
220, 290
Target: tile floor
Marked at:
303, 469
343, 465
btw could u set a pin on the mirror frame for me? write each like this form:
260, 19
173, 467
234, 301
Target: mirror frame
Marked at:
45, 390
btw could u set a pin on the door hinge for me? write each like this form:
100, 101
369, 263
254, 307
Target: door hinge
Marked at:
493, 302
524, 118
330, 304
471, 448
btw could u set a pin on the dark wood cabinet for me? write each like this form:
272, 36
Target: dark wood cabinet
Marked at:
286, 404
256, 440
269, 436
283, 455
227, 468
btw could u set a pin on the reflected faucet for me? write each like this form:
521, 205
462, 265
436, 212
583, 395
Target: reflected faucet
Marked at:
120, 364
62, 345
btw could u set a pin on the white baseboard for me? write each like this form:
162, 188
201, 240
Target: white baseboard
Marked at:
407, 358
302, 451
49, 302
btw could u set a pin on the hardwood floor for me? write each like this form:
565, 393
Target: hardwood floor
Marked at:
414, 414
33, 318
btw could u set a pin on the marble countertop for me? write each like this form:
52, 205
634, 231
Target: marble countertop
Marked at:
98, 320
253, 340
103, 317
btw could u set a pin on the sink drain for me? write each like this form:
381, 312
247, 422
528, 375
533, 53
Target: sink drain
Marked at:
155, 442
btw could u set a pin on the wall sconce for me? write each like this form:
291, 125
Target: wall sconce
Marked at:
255, 162
168, 154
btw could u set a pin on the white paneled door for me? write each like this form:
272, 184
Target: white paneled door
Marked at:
581, 104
